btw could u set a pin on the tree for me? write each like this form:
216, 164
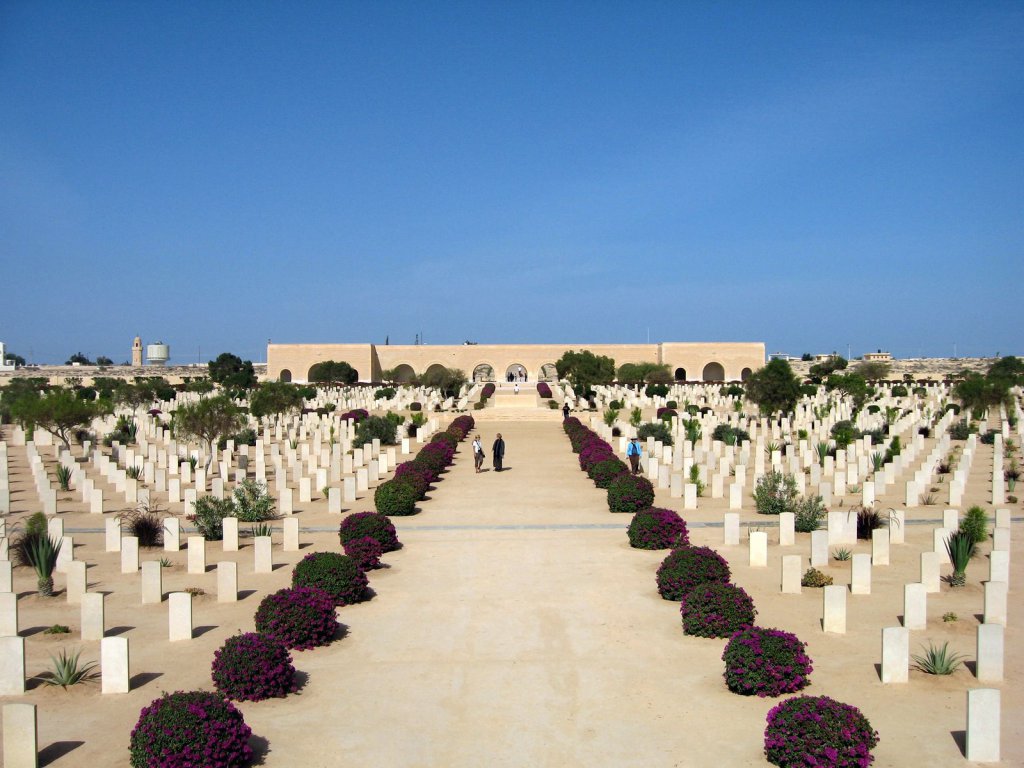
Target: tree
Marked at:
806, 357
334, 372
827, 367
448, 380
200, 386
231, 372
585, 370
207, 420
104, 360
79, 358
634, 374
979, 393
774, 387
274, 397
874, 369
853, 384
134, 396
1009, 369
59, 411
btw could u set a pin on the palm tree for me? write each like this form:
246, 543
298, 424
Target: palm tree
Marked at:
44, 552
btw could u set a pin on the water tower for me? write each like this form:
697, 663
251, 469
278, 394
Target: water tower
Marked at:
157, 354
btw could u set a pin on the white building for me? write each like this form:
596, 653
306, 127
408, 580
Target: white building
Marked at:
5, 364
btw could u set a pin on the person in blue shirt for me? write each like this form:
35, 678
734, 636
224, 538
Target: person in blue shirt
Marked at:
634, 451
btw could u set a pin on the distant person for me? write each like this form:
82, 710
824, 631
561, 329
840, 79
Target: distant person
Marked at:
478, 453
565, 410
498, 452
515, 388
634, 451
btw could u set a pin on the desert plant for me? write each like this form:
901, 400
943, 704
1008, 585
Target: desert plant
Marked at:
337, 575
842, 554
253, 667
252, 503
822, 452
867, 521
194, 591
630, 493
298, 617
766, 662
938, 660
975, 524
657, 528
693, 430
373, 524
808, 512
165, 563
43, 555
261, 529
145, 522
374, 428
64, 477
775, 493
928, 499
817, 730
695, 479
365, 550
960, 547
949, 616
57, 629
716, 610
636, 416
815, 579
611, 415
1011, 474
67, 670
189, 729
685, 568
208, 515
877, 461
133, 472
22, 541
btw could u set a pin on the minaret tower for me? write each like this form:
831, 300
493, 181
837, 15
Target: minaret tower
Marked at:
137, 352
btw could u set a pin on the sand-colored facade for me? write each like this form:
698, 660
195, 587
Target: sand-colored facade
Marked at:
710, 361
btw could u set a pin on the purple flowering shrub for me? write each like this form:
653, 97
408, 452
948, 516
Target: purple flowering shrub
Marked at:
766, 662
447, 438
298, 617
190, 729
686, 567
666, 413
592, 452
374, 524
544, 390
717, 610
397, 497
487, 391
434, 456
461, 426
606, 470
366, 551
657, 528
630, 493
337, 575
420, 477
253, 667
355, 415
817, 730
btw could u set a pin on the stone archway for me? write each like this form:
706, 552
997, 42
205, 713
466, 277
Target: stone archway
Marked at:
404, 373
285, 376
548, 372
483, 372
518, 372
713, 372
745, 374
680, 374
434, 369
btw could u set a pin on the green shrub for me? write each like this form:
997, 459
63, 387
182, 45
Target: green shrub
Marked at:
687, 567
775, 493
814, 578
384, 393
374, 427
252, 503
603, 472
659, 430
23, 542
208, 515
730, 435
337, 575
975, 524
190, 729
630, 493
844, 433
656, 390
808, 512
396, 497
961, 430
899, 391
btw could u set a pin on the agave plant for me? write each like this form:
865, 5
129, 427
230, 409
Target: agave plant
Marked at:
938, 660
770, 448
877, 461
68, 671
134, 472
261, 529
960, 547
64, 477
822, 450
44, 552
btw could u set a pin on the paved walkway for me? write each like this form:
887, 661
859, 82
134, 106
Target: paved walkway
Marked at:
522, 643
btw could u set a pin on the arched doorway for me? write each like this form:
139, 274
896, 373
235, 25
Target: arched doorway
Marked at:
286, 375
745, 374
713, 372
548, 372
404, 373
434, 370
680, 374
516, 372
483, 372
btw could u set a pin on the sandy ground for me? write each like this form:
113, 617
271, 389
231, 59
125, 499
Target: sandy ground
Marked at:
518, 628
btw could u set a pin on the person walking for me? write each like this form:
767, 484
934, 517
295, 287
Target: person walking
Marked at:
498, 452
478, 453
565, 410
634, 451
515, 388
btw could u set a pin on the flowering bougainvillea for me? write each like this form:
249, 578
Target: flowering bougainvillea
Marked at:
657, 528
373, 524
817, 730
253, 667
543, 389
397, 496
766, 662
337, 575
190, 729
298, 617
630, 493
686, 567
366, 551
355, 415
716, 610
603, 472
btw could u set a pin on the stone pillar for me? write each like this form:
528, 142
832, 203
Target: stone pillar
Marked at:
172, 534
130, 554
880, 546
113, 535
930, 571
8, 614
819, 548
76, 582
995, 602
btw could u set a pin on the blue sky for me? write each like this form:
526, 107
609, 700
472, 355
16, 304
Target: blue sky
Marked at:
814, 175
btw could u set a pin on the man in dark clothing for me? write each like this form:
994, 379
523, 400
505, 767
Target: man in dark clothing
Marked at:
565, 411
498, 452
